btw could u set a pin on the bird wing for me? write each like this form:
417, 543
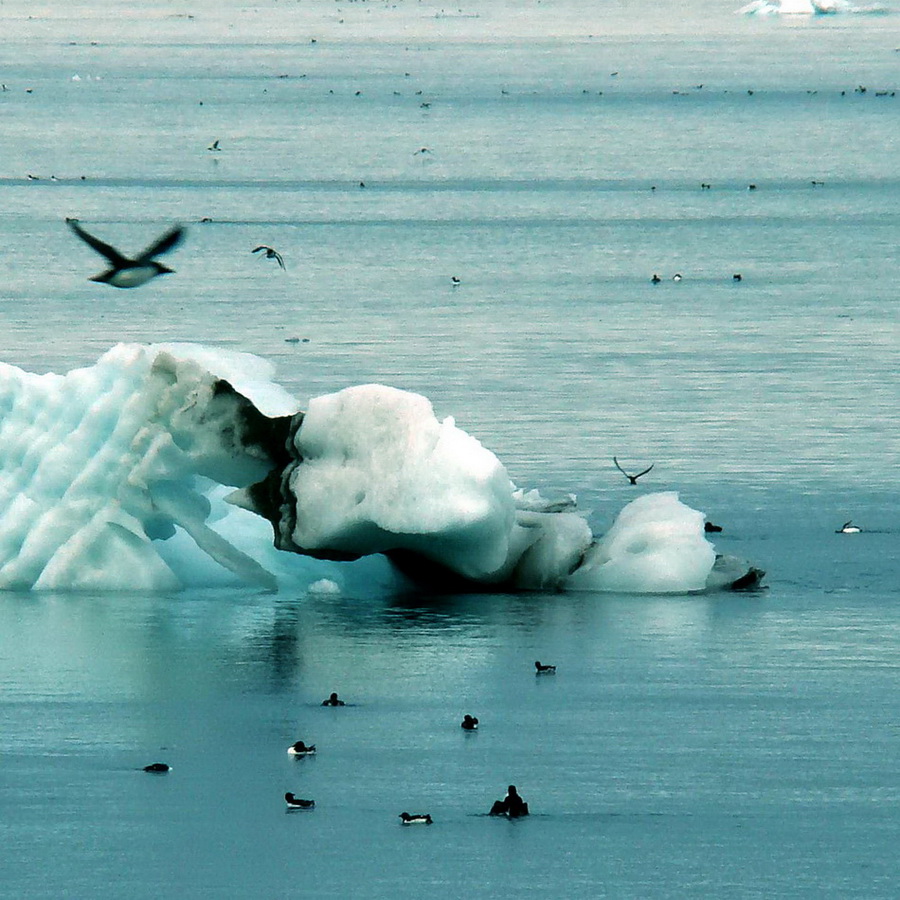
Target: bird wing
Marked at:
645, 471
102, 248
278, 258
261, 247
169, 240
620, 468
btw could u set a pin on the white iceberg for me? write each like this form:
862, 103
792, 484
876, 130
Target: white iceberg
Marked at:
804, 8
116, 477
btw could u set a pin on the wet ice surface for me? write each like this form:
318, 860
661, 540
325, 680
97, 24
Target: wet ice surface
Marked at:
729, 746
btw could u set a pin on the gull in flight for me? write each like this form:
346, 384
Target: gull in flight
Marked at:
632, 478
270, 254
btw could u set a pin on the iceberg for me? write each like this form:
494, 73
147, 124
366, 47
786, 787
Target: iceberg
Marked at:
804, 8
172, 464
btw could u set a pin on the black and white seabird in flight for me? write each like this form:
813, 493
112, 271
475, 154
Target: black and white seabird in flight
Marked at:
632, 478
130, 273
270, 254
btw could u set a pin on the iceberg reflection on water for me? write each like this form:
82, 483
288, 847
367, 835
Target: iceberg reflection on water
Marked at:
116, 477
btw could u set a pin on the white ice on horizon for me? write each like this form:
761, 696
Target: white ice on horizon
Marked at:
803, 8
114, 477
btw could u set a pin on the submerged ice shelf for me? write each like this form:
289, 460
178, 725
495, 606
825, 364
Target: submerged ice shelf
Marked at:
159, 465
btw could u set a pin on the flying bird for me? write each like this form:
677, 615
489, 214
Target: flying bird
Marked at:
270, 254
632, 478
130, 273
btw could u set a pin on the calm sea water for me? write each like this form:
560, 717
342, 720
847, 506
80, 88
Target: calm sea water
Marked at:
721, 746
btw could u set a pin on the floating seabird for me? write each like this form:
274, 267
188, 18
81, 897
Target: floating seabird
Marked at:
158, 768
214, 145
736, 276
676, 276
708, 527
270, 254
470, 723
125, 272
512, 805
849, 528
333, 700
300, 749
418, 819
541, 669
655, 279
632, 478
456, 282
748, 582
294, 802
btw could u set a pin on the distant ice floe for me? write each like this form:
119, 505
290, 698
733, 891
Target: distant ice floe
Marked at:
157, 467
805, 8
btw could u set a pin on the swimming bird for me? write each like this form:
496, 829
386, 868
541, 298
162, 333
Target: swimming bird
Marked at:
294, 802
708, 527
158, 768
214, 145
125, 272
512, 805
455, 281
300, 749
676, 276
849, 528
333, 700
541, 669
736, 277
632, 478
270, 254
470, 723
655, 279
418, 819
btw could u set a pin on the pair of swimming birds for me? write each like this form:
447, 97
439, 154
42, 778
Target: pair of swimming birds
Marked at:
125, 272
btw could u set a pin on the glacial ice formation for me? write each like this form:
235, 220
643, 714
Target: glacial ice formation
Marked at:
804, 8
158, 466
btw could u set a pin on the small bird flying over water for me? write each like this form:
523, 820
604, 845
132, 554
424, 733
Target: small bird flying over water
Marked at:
130, 273
632, 478
270, 254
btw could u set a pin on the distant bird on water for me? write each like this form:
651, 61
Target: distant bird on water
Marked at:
541, 669
270, 254
301, 749
125, 272
333, 700
418, 819
470, 723
296, 803
849, 528
632, 478
158, 768
214, 145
